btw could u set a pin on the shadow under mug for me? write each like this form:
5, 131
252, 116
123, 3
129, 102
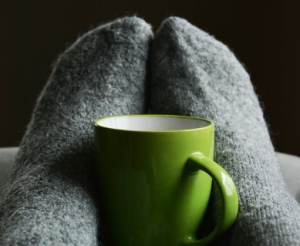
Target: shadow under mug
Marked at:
155, 174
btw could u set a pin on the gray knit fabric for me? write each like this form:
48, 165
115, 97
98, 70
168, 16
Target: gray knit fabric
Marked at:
194, 74
51, 197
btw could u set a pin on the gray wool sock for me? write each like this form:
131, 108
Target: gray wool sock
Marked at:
194, 74
51, 197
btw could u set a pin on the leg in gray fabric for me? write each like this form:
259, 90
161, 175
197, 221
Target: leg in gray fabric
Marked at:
50, 199
194, 74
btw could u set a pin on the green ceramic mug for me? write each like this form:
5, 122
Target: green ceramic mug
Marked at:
155, 174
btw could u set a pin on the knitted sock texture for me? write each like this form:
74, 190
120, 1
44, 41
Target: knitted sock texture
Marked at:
51, 197
194, 74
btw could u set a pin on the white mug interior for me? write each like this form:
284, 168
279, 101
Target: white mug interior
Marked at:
152, 123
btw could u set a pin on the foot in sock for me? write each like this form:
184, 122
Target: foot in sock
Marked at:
51, 197
194, 74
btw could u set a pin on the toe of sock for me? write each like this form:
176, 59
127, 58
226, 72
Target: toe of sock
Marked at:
175, 23
132, 25
181, 31
178, 26
178, 36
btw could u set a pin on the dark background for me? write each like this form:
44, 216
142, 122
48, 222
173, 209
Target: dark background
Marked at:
264, 35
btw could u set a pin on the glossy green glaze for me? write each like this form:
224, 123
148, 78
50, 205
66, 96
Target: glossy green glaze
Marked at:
156, 185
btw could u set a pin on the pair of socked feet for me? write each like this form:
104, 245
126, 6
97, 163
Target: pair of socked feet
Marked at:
51, 197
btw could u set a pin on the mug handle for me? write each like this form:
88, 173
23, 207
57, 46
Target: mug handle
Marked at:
197, 161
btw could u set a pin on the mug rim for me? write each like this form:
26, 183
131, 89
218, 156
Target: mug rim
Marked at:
211, 124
